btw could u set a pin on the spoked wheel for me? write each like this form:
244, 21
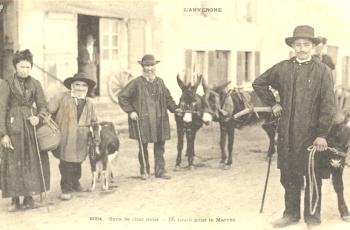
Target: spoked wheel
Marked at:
116, 82
342, 96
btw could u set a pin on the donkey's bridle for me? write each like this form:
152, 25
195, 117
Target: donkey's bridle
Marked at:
208, 108
193, 107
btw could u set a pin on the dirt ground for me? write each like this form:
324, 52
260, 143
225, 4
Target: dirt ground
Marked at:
206, 198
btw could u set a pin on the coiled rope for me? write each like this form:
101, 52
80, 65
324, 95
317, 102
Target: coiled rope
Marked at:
312, 174
312, 179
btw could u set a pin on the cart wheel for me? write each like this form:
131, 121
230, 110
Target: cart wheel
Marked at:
342, 95
116, 82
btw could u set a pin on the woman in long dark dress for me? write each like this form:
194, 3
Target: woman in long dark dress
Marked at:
20, 165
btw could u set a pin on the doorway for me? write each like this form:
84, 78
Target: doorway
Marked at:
89, 25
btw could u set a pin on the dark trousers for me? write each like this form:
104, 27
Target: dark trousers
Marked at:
159, 162
70, 175
293, 184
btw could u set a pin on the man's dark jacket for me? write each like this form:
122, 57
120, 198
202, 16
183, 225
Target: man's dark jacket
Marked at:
151, 109
308, 108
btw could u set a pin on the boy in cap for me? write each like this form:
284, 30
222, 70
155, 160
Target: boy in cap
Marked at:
147, 100
306, 114
73, 112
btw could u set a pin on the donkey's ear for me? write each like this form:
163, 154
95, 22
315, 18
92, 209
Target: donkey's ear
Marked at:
221, 87
195, 86
180, 82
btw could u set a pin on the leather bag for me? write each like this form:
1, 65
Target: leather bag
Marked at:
48, 134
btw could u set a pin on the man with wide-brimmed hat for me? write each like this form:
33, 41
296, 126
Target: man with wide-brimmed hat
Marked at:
146, 99
306, 112
73, 112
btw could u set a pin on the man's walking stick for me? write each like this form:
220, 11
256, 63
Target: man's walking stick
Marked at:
41, 166
266, 181
268, 174
140, 143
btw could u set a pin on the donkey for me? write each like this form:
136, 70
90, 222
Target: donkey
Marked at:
234, 109
189, 121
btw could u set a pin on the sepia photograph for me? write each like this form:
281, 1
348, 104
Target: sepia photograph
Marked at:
175, 114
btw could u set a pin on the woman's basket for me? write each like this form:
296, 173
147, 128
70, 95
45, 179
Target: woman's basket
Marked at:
48, 134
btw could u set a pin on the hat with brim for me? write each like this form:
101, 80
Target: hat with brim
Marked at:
80, 77
306, 32
148, 59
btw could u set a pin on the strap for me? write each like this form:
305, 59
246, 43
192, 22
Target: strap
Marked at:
48, 120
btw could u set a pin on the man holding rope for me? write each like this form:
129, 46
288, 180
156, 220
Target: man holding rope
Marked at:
146, 99
306, 112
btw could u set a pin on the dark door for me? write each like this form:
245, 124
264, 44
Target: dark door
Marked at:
90, 25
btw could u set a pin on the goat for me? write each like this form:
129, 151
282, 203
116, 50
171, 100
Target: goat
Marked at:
338, 139
103, 150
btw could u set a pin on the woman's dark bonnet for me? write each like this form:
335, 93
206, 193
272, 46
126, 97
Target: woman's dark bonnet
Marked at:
24, 55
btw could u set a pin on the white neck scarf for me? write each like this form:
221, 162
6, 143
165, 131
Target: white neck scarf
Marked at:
77, 97
90, 50
301, 61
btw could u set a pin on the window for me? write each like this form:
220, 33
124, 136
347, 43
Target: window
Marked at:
195, 65
346, 71
246, 11
110, 40
218, 66
248, 66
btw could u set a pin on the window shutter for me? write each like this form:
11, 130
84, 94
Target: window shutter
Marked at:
240, 67
257, 64
188, 64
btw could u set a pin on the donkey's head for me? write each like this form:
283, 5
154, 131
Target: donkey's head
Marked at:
190, 102
214, 100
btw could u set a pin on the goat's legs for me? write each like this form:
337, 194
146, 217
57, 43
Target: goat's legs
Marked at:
105, 184
337, 179
93, 182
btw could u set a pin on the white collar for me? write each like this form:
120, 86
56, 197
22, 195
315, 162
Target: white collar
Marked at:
301, 61
76, 98
148, 79
72, 95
